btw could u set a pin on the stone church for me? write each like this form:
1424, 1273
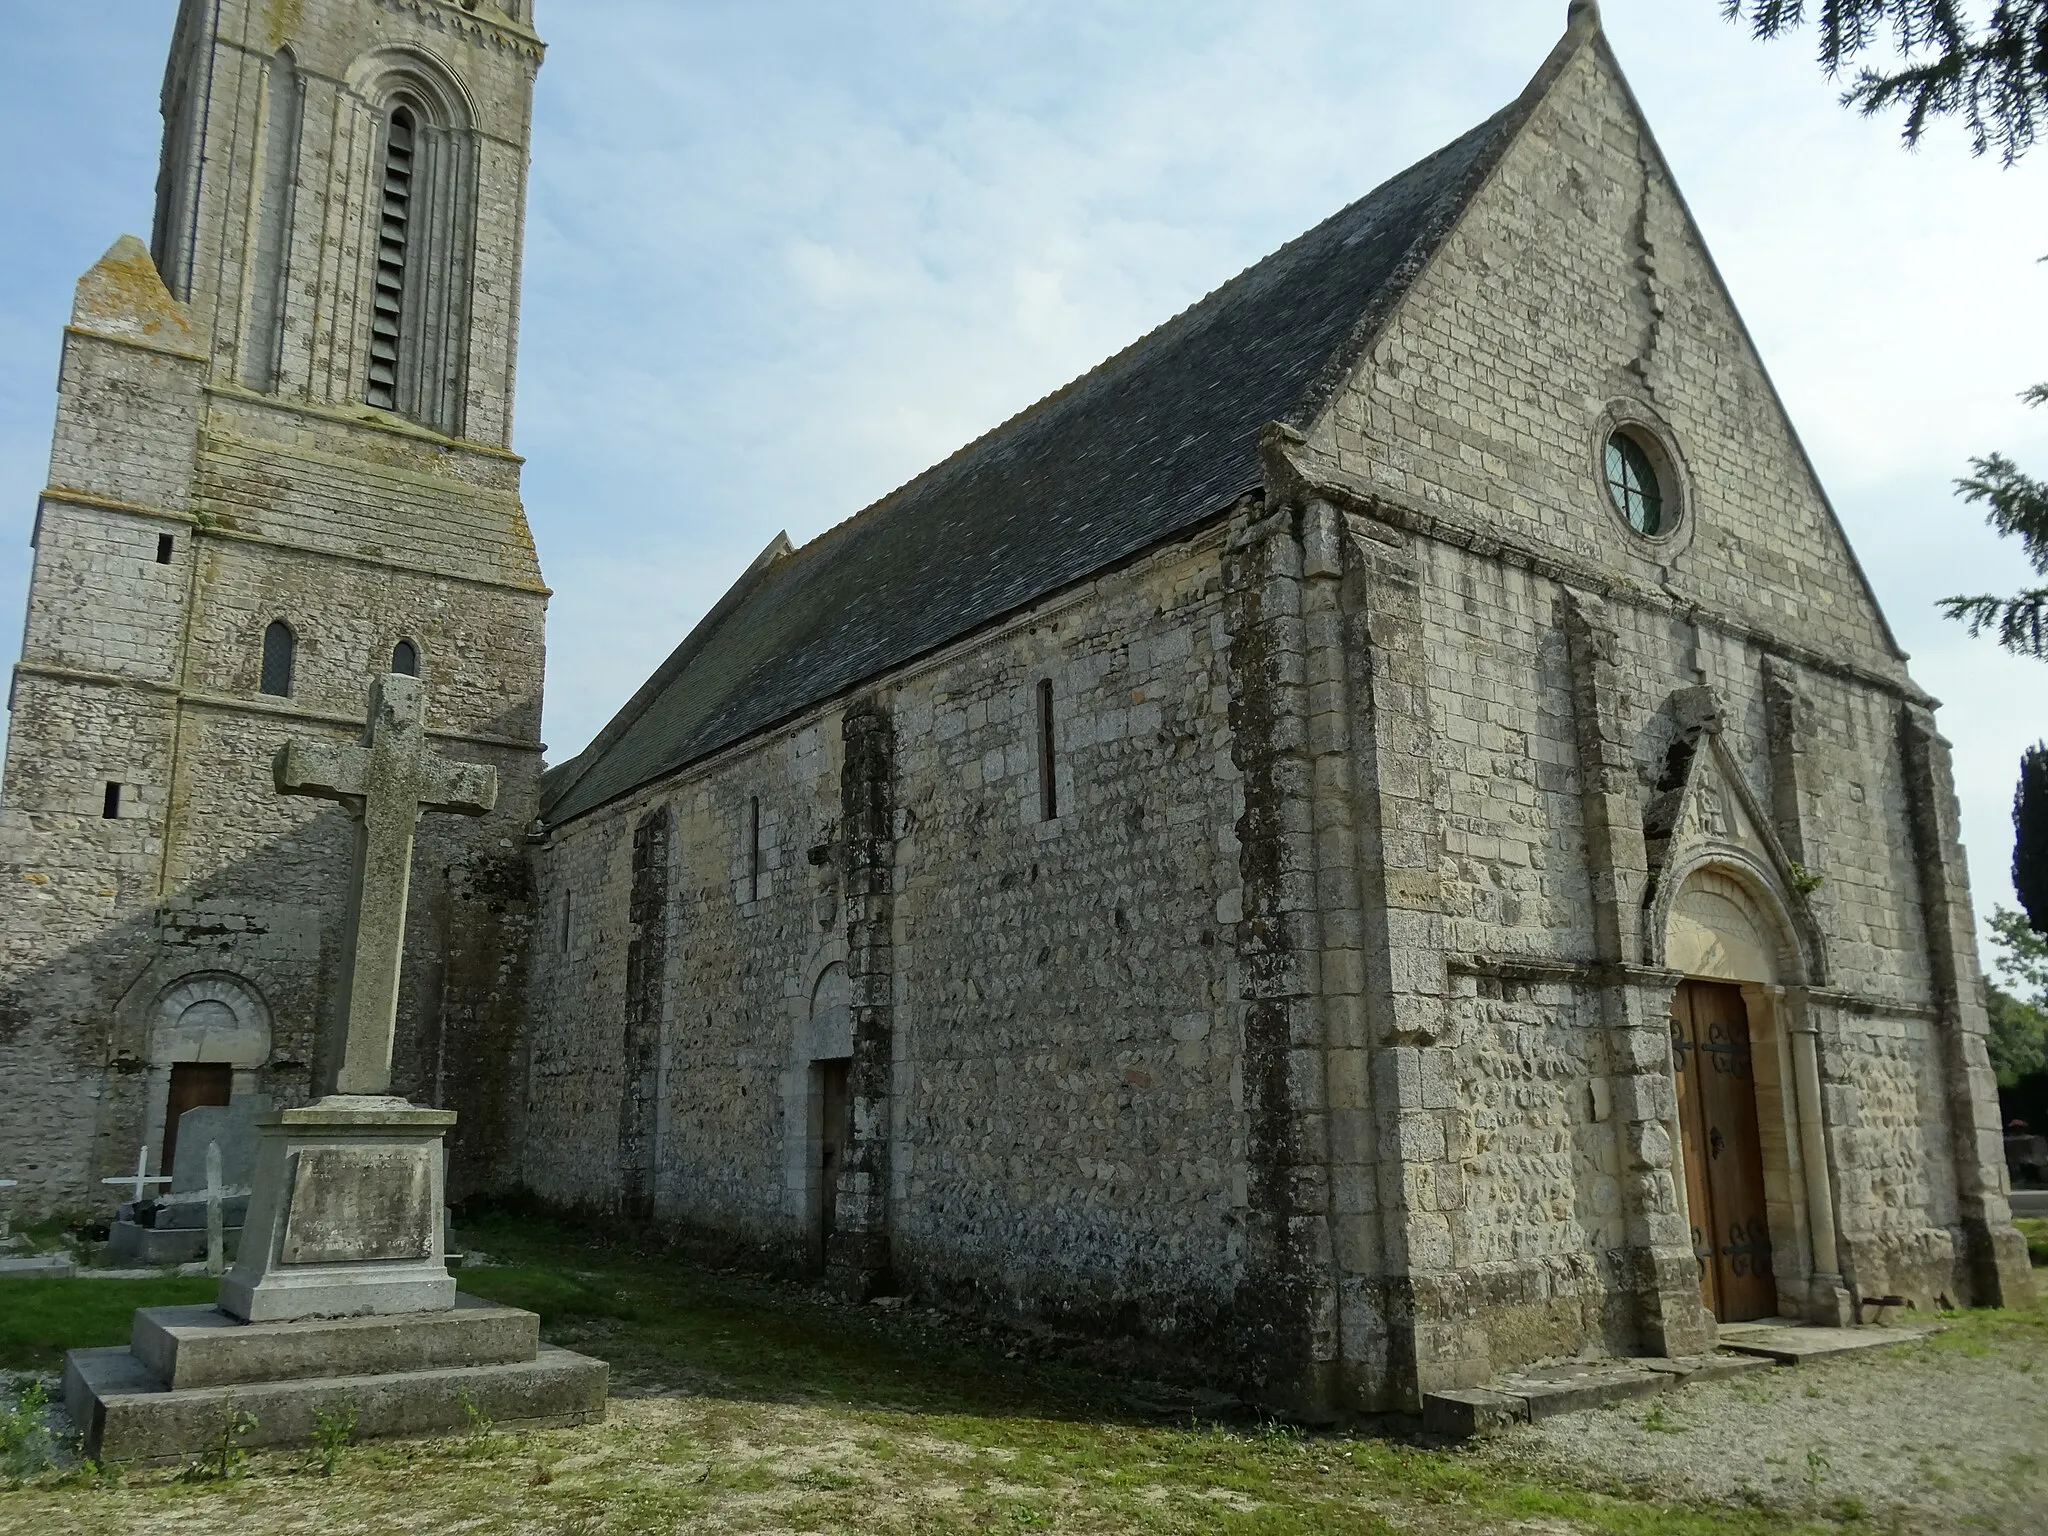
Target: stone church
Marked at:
1378, 836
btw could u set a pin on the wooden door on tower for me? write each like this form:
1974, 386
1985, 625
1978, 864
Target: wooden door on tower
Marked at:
1724, 1164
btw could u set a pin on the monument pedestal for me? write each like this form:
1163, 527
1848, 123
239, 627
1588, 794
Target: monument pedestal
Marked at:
187, 1369
345, 1216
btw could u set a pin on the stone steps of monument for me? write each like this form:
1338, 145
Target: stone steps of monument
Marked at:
127, 1414
204, 1347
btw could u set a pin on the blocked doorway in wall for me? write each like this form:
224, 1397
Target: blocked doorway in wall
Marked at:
834, 1101
1723, 1152
194, 1085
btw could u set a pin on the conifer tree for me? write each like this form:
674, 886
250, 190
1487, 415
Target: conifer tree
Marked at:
1993, 75
2030, 826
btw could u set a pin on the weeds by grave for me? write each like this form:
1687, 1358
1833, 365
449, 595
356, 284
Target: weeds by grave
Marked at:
333, 1428
26, 1446
227, 1459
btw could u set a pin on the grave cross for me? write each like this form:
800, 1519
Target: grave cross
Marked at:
141, 1178
386, 780
216, 1237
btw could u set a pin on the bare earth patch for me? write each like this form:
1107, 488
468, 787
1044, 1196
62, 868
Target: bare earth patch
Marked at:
1946, 1435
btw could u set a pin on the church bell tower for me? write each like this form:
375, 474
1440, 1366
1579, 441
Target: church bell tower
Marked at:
282, 468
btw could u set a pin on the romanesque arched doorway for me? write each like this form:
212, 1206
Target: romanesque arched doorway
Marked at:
209, 1034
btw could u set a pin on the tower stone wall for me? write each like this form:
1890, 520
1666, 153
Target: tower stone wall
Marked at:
219, 468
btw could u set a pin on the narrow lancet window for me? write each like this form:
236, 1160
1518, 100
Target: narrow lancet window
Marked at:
166, 546
1048, 764
394, 241
405, 659
754, 849
110, 808
280, 647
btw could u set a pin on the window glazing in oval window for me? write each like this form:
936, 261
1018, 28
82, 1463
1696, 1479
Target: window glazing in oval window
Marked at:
1632, 482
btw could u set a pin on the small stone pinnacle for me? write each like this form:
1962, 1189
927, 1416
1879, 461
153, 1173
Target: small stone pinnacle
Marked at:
1583, 13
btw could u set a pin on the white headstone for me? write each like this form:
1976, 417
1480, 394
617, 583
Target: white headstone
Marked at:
6, 1208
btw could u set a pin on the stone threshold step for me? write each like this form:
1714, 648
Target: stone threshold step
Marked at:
1521, 1397
1544, 1392
1794, 1344
126, 1414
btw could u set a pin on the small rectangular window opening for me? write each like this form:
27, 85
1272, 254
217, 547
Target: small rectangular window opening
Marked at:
110, 808
1048, 778
754, 849
568, 918
166, 546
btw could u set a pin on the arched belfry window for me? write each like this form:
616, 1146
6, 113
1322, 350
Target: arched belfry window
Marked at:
424, 222
280, 654
405, 659
394, 244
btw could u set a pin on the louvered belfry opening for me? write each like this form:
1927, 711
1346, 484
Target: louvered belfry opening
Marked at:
394, 229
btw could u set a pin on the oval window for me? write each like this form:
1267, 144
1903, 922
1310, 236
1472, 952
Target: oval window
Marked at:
1632, 482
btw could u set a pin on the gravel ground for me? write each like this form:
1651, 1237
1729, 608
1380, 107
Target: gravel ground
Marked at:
1949, 1435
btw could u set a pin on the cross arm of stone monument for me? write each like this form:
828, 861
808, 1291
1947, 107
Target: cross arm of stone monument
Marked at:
468, 789
328, 770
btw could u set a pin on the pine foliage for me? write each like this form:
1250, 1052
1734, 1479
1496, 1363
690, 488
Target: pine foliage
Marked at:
2030, 850
2019, 1025
2019, 509
1994, 77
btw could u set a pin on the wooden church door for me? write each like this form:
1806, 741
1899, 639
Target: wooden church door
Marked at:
1724, 1165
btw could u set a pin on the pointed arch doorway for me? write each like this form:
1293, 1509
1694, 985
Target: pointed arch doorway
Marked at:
1722, 934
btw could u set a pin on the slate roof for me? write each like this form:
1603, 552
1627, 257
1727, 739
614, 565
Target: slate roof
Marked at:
1151, 444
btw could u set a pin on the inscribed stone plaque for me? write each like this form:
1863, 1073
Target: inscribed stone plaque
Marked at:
360, 1204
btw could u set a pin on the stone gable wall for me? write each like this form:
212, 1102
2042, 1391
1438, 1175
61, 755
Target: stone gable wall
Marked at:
1576, 280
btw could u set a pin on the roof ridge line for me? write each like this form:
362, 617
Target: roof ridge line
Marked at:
1507, 125
628, 715
1133, 348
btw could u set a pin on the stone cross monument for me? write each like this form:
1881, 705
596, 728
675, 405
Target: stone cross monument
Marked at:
345, 1210
386, 781
340, 1291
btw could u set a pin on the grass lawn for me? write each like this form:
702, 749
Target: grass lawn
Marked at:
742, 1405
2035, 1230
40, 1319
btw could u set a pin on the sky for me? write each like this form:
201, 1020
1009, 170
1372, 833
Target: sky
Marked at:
784, 254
